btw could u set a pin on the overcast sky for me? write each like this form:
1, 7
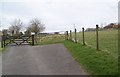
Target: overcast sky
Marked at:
59, 15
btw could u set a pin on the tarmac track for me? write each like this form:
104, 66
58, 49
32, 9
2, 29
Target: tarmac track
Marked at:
52, 59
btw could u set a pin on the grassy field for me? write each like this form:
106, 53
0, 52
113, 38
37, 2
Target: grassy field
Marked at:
51, 39
108, 40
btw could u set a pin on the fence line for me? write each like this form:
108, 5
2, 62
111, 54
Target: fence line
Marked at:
83, 35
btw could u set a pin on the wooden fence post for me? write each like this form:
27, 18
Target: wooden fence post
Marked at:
97, 38
67, 35
83, 36
70, 35
75, 36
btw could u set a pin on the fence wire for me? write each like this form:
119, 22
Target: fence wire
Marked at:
108, 40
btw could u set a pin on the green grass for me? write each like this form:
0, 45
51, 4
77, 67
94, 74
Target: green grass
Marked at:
51, 39
108, 40
2, 49
95, 62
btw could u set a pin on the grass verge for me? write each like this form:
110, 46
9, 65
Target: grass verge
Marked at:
95, 62
2, 49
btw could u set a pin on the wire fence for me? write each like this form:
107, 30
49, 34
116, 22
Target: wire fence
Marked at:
101, 39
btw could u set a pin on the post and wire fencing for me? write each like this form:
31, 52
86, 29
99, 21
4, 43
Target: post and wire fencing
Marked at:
98, 38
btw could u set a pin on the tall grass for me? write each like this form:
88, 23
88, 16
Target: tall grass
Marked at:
51, 39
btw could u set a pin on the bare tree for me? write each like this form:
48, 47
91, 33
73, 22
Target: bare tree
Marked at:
16, 26
36, 26
28, 31
11, 29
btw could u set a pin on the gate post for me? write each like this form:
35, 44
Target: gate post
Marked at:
2, 41
33, 38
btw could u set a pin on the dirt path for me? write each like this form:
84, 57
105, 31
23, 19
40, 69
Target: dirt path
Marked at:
39, 60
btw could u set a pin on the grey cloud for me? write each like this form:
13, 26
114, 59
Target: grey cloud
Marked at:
61, 15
